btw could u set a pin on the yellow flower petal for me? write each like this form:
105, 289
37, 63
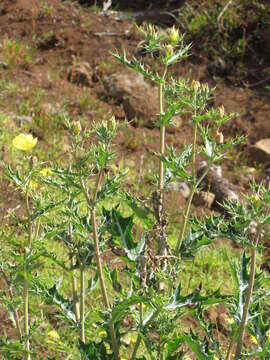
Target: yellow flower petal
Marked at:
53, 335
24, 142
268, 334
253, 340
46, 171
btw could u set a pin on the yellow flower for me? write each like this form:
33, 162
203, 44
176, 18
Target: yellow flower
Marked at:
53, 337
102, 333
253, 340
268, 334
216, 357
24, 142
188, 358
46, 171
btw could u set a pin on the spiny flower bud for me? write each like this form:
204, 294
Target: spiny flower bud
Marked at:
77, 128
221, 111
205, 87
174, 35
195, 85
112, 124
169, 50
256, 200
219, 138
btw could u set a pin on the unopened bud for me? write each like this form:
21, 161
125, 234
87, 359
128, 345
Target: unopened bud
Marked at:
256, 200
169, 50
112, 124
77, 128
174, 35
221, 111
195, 85
205, 87
219, 138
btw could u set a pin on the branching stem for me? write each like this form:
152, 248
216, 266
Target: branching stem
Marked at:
139, 338
74, 283
82, 304
162, 139
249, 295
98, 255
187, 208
25, 280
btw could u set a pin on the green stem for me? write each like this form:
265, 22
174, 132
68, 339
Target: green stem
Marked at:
98, 256
82, 304
230, 348
161, 140
139, 338
187, 209
248, 298
26, 309
74, 283
25, 282
194, 142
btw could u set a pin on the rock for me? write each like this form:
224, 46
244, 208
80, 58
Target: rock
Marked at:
182, 187
139, 98
204, 199
217, 184
48, 42
21, 120
80, 74
260, 152
3, 65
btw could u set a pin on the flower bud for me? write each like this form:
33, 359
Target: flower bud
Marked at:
205, 87
112, 124
77, 128
174, 35
256, 200
169, 50
195, 85
221, 111
219, 138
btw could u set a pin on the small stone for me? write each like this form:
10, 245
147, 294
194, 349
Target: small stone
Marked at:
80, 74
139, 98
3, 65
260, 152
204, 199
20, 120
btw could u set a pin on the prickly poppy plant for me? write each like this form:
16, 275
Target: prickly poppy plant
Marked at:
123, 288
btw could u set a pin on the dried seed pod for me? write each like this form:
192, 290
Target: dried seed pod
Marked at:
219, 138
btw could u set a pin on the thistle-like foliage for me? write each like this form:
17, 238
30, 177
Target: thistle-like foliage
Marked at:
116, 269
